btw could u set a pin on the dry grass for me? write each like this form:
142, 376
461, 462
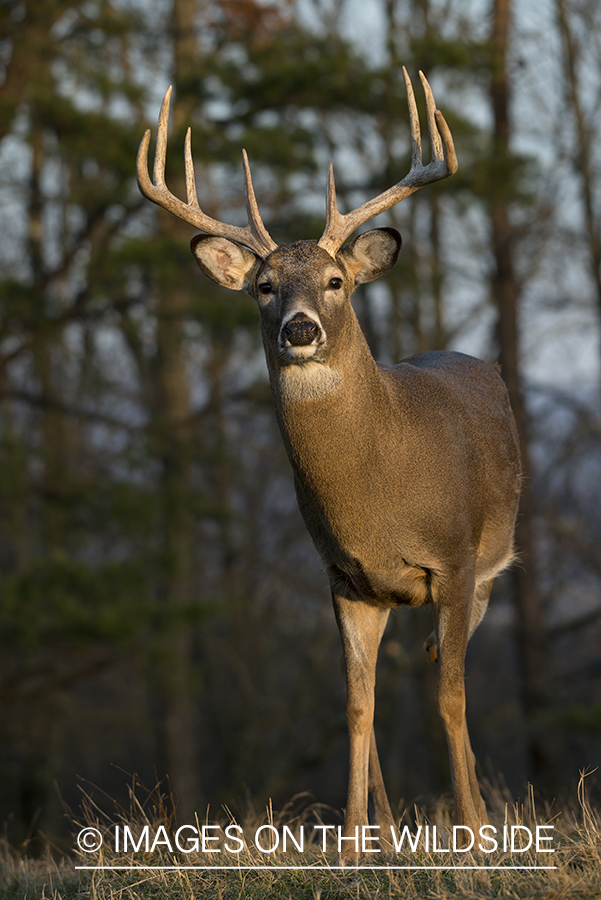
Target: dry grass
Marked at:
577, 857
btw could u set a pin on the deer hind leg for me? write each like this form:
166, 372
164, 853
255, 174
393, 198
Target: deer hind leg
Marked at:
479, 606
381, 807
359, 625
453, 617
382, 811
431, 647
479, 804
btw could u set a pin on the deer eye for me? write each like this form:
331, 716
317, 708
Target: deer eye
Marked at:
265, 288
335, 284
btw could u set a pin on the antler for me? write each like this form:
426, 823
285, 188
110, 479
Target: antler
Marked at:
254, 236
443, 163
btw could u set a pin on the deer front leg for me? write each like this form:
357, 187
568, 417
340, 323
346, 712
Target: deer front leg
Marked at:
452, 613
360, 633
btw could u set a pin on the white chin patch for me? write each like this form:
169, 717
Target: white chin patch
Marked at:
301, 353
309, 382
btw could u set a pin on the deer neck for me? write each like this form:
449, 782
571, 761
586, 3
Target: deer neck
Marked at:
328, 412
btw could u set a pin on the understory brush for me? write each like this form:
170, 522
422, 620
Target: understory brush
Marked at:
258, 855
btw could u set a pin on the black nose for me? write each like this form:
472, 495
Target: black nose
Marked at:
300, 332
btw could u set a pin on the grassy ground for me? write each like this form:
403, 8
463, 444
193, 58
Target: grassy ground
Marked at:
577, 858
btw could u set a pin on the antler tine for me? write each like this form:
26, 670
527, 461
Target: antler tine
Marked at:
254, 236
416, 134
447, 139
443, 163
191, 195
255, 222
435, 141
160, 154
333, 216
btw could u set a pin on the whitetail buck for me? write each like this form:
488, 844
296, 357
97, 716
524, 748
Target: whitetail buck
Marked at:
407, 477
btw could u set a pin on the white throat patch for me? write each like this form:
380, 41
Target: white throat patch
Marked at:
309, 381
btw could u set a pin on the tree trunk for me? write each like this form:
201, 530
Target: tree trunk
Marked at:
175, 678
583, 161
506, 294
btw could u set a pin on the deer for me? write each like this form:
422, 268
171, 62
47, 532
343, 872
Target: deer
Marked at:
407, 476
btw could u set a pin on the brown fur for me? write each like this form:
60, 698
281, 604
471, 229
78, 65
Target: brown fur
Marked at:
407, 477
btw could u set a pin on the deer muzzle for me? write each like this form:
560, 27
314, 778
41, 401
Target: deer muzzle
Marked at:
301, 331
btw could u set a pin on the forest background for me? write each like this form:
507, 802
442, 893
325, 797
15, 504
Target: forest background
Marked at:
162, 610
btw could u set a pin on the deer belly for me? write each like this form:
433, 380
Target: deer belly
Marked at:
401, 584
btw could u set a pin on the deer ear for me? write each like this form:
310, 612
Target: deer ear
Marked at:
230, 265
373, 254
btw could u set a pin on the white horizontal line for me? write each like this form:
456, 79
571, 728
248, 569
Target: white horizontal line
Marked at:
297, 868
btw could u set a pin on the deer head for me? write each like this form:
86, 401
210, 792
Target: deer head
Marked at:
302, 289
